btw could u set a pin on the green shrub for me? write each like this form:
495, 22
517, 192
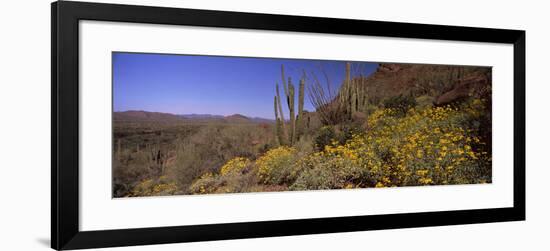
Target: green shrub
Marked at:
205, 184
324, 137
346, 132
304, 145
277, 166
321, 171
231, 182
370, 109
425, 101
158, 187
400, 103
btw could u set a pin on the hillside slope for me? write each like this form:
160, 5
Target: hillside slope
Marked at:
418, 80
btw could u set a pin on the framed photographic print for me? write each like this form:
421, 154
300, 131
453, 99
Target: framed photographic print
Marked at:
178, 125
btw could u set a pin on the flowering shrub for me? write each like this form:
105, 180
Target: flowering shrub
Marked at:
233, 177
277, 166
205, 184
235, 165
429, 146
149, 187
323, 170
422, 146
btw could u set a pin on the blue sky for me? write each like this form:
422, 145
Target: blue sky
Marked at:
182, 84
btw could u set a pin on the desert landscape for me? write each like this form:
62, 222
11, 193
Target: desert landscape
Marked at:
344, 125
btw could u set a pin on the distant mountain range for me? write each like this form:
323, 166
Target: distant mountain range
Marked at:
201, 116
145, 116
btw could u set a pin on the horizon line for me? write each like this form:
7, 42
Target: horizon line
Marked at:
210, 114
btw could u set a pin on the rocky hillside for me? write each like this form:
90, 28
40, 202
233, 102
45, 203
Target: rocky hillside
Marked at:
426, 80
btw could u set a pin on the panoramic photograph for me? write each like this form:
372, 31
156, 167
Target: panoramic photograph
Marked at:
192, 124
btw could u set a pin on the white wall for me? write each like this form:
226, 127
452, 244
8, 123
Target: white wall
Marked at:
25, 113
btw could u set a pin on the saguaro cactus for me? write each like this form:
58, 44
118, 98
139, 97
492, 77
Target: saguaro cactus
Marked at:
353, 94
279, 131
279, 118
290, 100
362, 98
275, 106
289, 89
300, 118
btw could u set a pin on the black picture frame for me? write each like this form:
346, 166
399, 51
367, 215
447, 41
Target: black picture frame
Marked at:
65, 233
